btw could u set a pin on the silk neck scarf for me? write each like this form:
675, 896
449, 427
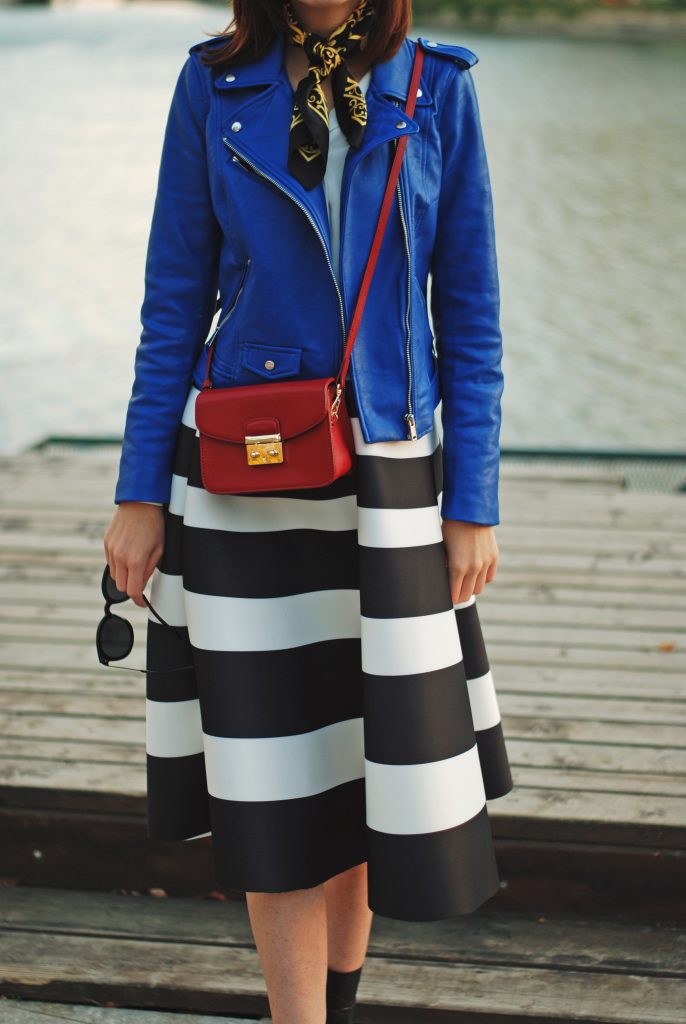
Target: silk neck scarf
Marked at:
308, 145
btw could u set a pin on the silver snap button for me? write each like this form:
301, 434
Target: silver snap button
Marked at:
269, 364
430, 42
401, 124
230, 78
236, 126
419, 92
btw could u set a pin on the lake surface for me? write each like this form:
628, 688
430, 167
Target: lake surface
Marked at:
587, 149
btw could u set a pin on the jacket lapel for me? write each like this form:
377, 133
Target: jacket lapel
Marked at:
256, 125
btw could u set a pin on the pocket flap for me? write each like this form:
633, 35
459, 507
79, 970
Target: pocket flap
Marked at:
271, 361
289, 408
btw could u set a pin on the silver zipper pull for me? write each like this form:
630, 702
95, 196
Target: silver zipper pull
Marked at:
412, 436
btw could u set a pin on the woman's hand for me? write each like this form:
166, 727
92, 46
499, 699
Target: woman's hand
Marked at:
134, 542
471, 555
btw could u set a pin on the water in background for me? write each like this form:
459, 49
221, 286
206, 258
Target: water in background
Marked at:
587, 147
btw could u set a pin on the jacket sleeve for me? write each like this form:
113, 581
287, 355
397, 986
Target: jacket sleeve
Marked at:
465, 311
181, 273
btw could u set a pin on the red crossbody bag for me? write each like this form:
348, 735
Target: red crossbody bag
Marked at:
288, 435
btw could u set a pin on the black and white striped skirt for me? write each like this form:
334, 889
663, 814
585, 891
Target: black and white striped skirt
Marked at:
340, 708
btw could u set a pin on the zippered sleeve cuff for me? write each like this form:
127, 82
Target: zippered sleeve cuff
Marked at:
135, 484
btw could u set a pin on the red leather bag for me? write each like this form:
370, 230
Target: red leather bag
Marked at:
287, 435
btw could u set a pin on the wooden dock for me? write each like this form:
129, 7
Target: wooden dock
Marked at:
585, 627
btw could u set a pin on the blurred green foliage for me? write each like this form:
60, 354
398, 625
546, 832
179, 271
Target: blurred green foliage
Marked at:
490, 10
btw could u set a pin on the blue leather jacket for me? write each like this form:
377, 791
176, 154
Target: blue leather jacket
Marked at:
232, 227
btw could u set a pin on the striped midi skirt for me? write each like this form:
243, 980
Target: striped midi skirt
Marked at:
337, 708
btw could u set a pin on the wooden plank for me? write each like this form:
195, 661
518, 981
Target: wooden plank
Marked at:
497, 608
616, 762
594, 874
72, 657
201, 977
130, 729
14, 1011
634, 734
614, 758
664, 688
523, 705
82, 681
660, 766
562, 474
585, 658
99, 849
564, 815
23, 654
101, 704
57, 778
83, 631
643, 586
600, 783
527, 628
68, 752
127, 776
65, 728
54, 557
510, 678
560, 596
542, 802
519, 938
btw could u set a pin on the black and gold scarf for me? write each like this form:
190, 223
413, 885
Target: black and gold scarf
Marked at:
308, 146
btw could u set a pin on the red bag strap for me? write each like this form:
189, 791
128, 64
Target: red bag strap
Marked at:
383, 218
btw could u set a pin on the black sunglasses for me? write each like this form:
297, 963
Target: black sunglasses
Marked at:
114, 636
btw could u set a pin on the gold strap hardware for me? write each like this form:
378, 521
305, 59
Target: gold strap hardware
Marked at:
337, 401
263, 449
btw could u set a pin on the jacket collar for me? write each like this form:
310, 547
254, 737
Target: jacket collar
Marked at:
263, 118
389, 78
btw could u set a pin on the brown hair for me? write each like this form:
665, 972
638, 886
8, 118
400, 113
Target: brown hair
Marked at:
258, 21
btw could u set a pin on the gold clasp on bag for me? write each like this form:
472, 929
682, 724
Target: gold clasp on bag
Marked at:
263, 449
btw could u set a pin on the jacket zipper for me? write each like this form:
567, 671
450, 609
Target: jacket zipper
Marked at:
409, 415
241, 159
231, 308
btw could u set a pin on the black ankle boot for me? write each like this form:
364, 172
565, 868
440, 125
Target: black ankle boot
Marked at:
344, 1015
341, 992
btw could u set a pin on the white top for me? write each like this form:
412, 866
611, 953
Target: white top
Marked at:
333, 176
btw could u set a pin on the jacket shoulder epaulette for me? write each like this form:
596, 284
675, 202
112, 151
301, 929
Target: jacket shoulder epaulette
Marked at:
460, 54
210, 41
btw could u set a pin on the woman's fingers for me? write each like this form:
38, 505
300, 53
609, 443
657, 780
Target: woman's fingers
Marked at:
153, 561
469, 585
134, 582
471, 556
482, 578
133, 546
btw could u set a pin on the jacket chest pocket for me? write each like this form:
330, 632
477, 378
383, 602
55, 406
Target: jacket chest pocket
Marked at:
269, 362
